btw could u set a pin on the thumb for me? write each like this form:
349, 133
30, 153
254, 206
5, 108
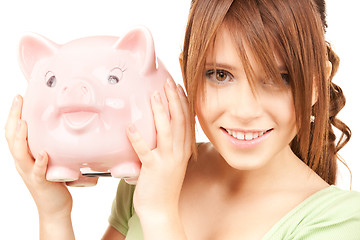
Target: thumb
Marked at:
40, 165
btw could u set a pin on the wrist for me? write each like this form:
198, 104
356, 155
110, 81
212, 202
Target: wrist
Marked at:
162, 225
54, 217
50, 212
159, 210
56, 227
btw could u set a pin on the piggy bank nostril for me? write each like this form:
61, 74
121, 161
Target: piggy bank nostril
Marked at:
84, 89
65, 90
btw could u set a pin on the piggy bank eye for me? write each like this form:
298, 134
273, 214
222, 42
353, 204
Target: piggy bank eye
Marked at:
50, 79
115, 76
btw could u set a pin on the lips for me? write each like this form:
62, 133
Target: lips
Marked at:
245, 139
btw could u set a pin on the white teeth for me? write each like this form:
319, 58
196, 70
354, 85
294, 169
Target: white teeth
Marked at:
240, 135
248, 136
245, 135
234, 134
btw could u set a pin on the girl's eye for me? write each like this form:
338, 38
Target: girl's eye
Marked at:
218, 76
286, 78
50, 79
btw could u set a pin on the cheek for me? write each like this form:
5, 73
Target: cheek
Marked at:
286, 113
206, 103
282, 109
199, 108
203, 111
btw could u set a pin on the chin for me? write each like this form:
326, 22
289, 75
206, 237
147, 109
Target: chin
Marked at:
246, 166
245, 162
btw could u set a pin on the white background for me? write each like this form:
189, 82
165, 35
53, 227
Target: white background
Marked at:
65, 20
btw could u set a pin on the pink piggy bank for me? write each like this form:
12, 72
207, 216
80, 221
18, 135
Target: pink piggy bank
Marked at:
83, 95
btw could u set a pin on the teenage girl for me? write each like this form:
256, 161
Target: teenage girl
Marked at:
258, 77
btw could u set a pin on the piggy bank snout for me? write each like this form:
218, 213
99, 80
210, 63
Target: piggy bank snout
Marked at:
78, 93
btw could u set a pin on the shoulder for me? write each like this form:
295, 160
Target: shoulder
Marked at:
124, 196
331, 213
122, 208
335, 202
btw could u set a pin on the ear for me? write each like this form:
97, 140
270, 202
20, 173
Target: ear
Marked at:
140, 42
181, 61
33, 48
315, 89
315, 94
328, 69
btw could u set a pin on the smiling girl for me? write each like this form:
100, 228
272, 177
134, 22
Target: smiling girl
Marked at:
258, 74
258, 77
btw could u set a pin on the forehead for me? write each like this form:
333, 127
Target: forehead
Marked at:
228, 49
224, 49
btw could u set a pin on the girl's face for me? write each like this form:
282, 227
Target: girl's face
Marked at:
248, 126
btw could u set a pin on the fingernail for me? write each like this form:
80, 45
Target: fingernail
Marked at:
181, 90
15, 103
171, 83
132, 128
40, 156
157, 97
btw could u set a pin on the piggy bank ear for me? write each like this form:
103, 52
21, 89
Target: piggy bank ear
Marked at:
140, 42
33, 48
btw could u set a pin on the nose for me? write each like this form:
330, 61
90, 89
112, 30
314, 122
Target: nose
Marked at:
77, 92
246, 104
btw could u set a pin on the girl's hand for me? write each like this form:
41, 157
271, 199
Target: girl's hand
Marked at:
52, 199
163, 168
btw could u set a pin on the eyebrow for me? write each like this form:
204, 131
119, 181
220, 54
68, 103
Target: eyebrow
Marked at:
282, 68
221, 65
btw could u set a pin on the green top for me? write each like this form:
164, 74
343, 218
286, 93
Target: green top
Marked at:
331, 214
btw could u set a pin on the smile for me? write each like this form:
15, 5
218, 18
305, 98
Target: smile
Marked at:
247, 136
246, 139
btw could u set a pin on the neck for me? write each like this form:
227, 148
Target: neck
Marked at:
278, 173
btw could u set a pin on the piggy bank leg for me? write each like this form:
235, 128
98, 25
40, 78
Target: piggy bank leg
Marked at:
131, 181
62, 174
129, 171
83, 182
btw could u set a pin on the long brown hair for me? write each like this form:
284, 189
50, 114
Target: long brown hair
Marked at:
296, 30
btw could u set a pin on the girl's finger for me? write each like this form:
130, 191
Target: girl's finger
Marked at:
176, 113
40, 166
139, 145
12, 121
162, 123
186, 111
23, 159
